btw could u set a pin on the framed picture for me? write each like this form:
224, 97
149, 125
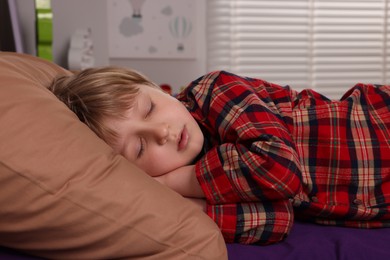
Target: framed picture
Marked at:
152, 29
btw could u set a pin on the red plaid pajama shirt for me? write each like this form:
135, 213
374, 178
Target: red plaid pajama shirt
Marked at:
271, 153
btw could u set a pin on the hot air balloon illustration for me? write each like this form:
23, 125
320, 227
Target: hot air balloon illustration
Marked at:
180, 27
137, 5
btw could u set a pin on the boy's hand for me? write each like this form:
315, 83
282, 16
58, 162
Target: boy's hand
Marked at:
182, 180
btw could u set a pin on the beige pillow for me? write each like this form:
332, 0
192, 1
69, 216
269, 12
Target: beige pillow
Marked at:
64, 194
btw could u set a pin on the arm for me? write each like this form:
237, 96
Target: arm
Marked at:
250, 152
183, 180
253, 223
251, 167
246, 223
262, 170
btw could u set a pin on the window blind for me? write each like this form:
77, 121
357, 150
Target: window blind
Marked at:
327, 45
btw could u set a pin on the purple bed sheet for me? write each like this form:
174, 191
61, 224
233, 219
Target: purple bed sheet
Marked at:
311, 241
306, 241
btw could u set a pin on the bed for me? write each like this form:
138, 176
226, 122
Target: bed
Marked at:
64, 194
306, 241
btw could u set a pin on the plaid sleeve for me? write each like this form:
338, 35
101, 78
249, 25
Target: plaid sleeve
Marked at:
250, 168
254, 158
253, 223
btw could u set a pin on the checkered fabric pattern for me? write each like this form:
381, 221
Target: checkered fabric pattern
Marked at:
272, 154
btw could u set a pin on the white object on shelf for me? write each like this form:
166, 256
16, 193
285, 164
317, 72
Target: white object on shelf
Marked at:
80, 54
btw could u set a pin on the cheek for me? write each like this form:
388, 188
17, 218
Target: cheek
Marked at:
158, 162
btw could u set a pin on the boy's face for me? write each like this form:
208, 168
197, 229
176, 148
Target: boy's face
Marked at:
158, 134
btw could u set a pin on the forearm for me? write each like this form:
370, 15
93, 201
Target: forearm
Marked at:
183, 180
253, 222
265, 171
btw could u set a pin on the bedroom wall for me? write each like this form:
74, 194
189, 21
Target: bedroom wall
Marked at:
70, 15
26, 13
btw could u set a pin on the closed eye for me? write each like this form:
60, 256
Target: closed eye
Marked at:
142, 141
151, 109
141, 148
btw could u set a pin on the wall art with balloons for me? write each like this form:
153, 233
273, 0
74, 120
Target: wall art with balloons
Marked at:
152, 28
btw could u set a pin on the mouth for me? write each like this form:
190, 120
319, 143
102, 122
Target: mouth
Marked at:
183, 141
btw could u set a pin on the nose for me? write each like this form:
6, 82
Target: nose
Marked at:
159, 132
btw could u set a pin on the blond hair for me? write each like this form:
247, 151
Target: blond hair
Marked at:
98, 93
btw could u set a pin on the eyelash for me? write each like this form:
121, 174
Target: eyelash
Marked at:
141, 140
151, 109
142, 148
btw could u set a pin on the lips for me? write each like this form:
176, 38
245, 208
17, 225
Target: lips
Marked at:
183, 141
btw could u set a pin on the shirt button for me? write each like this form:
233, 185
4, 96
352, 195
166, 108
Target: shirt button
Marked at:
357, 201
314, 199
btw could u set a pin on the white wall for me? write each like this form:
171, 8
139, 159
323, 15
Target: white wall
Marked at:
176, 72
69, 15
26, 13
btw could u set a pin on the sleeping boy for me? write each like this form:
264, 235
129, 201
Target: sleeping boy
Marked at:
252, 154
